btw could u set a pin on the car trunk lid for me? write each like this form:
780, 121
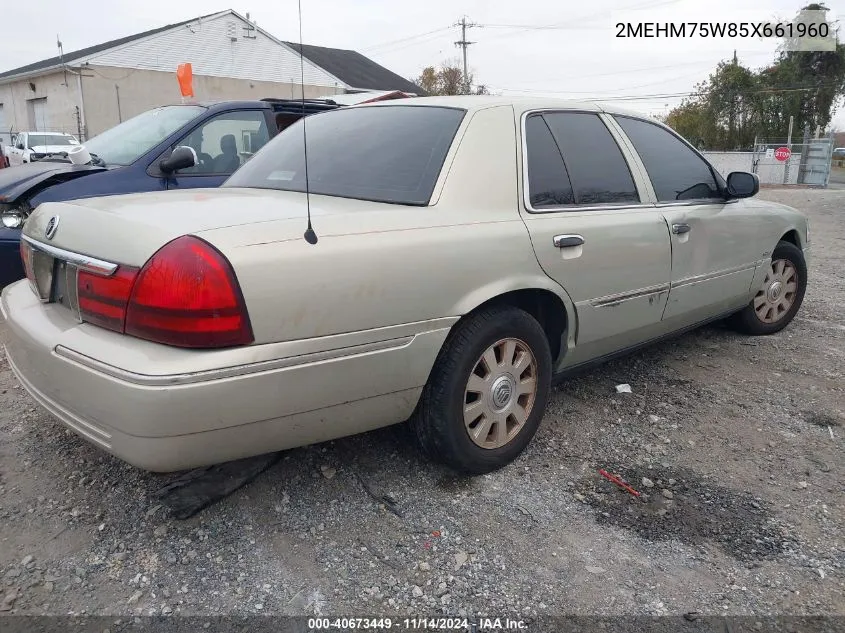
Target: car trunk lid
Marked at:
100, 234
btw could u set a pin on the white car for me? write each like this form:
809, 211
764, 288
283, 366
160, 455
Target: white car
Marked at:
28, 147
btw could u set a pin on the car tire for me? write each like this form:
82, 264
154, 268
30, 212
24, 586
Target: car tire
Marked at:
778, 301
509, 398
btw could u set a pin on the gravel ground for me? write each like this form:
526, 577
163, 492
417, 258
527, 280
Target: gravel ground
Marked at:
735, 442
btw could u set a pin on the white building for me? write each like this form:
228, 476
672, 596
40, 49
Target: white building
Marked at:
90, 90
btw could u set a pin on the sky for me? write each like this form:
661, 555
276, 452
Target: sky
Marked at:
537, 47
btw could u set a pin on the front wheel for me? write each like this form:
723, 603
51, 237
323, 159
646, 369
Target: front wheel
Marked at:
778, 300
487, 391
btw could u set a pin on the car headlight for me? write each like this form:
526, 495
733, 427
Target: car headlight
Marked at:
12, 219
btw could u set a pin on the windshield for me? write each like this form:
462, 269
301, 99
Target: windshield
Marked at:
127, 142
383, 153
36, 140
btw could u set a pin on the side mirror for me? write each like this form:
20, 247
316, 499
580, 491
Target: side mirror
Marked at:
181, 158
742, 184
19, 146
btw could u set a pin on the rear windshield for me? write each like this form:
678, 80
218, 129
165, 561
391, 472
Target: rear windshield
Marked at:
384, 154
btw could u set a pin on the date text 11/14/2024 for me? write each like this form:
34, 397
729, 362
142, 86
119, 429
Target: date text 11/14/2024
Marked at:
417, 624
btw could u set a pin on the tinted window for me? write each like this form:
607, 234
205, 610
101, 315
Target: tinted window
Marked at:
596, 167
380, 153
548, 182
676, 172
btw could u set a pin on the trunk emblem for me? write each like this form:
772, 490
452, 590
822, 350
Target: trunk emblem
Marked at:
52, 227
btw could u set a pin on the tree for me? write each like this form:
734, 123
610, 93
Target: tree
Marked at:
736, 104
447, 79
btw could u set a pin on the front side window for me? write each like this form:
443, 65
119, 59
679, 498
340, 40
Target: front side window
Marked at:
379, 153
676, 171
225, 142
587, 164
127, 142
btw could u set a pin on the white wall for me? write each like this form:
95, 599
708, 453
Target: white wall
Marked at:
141, 90
62, 98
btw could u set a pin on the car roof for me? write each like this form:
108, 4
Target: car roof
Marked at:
520, 104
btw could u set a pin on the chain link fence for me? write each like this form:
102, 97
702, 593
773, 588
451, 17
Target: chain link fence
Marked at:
781, 161
777, 161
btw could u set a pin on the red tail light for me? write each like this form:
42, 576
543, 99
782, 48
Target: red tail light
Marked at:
187, 295
102, 300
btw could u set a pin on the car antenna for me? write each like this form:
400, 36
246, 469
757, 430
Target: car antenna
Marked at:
310, 236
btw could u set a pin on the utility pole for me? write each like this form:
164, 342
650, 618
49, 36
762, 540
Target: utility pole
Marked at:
463, 44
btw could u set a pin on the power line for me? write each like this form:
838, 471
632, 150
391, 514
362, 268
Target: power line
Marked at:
408, 38
651, 83
629, 71
403, 45
570, 21
655, 96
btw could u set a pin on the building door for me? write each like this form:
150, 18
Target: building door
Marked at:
37, 111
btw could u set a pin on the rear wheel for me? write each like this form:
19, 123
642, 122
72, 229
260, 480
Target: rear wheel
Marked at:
779, 299
487, 391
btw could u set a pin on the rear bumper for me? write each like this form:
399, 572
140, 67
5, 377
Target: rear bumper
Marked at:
185, 419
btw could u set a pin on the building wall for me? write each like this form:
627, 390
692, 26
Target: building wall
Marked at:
60, 105
230, 59
140, 90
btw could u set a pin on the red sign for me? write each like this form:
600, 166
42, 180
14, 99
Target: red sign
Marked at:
782, 153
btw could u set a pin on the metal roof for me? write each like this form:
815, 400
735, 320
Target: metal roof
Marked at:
357, 71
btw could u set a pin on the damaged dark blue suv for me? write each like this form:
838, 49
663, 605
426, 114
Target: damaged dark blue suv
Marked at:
171, 147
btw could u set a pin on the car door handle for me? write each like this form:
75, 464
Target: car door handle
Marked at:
567, 241
680, 229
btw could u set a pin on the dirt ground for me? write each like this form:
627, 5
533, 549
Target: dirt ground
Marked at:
737, 443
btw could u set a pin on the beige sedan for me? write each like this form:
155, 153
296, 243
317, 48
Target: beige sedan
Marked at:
465, 252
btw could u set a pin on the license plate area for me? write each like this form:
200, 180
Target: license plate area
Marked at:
42, 271
52, 279
65, 288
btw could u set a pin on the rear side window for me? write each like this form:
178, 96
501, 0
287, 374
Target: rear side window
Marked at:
379, 153
675, 170
595, 163
573, 159
548, 180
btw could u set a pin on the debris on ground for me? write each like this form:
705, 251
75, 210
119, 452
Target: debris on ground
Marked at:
199, 488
